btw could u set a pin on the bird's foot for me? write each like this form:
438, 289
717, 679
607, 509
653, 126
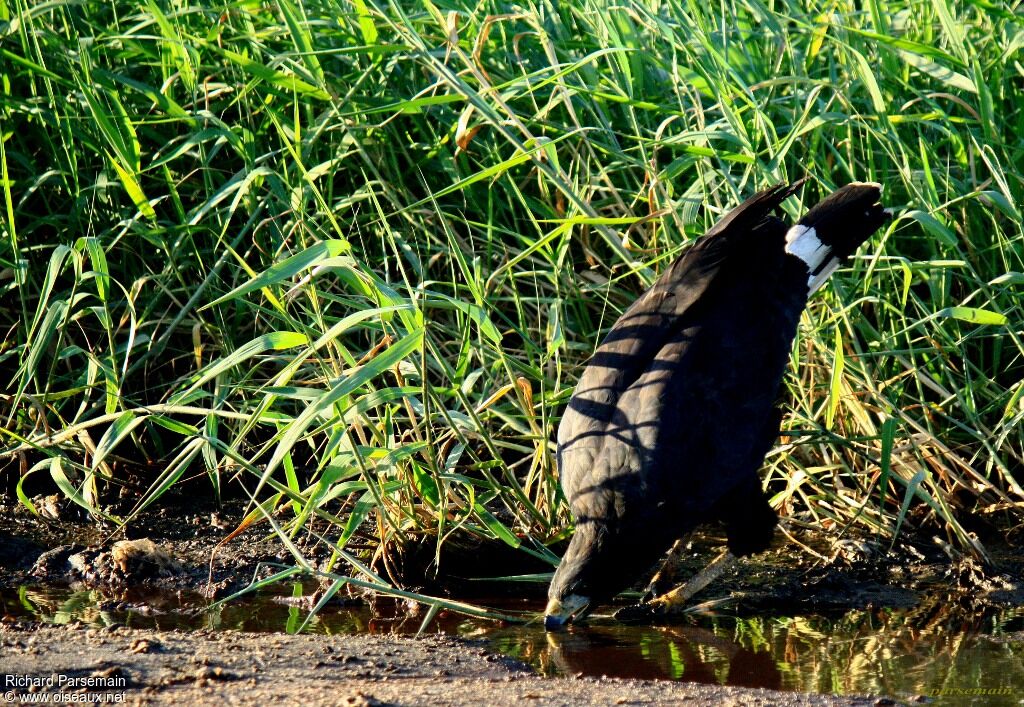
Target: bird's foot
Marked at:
675, 601
643, 613
650, 610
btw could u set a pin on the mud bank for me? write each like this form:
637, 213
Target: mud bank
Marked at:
229, 668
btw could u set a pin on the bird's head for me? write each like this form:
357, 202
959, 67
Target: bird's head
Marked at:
563, 610
578, 581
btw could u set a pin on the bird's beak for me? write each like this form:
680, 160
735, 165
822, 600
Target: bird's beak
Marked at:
559, 612
554, 616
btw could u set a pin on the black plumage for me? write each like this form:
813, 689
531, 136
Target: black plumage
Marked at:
676, 410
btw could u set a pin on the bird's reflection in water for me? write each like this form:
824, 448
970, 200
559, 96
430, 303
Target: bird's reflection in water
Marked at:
685, 653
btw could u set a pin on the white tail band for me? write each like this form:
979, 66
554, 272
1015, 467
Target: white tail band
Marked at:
803, 242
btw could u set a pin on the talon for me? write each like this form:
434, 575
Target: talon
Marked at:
636, 614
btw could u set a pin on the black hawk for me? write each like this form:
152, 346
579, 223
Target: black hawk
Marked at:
676, 410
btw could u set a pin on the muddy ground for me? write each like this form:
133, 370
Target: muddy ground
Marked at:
174, 552
206, 668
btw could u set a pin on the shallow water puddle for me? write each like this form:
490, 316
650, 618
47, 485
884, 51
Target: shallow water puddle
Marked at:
938, 653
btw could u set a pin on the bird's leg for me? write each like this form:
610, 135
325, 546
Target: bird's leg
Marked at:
664, 577
673, 601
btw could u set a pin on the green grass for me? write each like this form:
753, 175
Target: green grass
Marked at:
354, 254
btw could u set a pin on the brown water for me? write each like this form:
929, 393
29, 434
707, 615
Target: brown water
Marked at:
943, 654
